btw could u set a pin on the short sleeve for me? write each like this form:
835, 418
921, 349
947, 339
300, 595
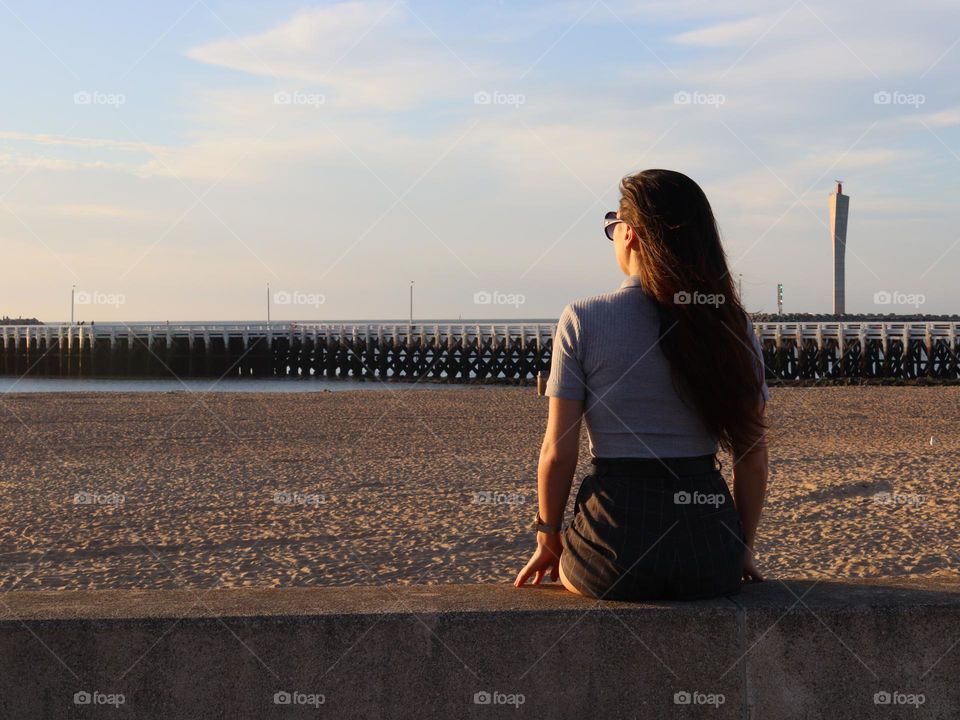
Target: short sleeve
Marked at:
758, 348
566, 363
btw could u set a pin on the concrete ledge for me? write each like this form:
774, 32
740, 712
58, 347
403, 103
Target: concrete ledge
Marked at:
792, 649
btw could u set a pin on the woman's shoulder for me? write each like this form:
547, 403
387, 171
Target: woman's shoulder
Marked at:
616, 301
612, 312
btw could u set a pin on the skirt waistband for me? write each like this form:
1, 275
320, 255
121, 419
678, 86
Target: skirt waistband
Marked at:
657, 466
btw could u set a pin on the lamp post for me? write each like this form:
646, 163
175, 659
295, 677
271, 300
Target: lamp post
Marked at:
73, 290
268, 303
411, 302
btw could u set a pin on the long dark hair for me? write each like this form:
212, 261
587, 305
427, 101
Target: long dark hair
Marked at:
703, 326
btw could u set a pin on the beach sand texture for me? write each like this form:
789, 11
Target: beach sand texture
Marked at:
172, 490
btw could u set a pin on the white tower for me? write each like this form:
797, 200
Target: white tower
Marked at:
839, 210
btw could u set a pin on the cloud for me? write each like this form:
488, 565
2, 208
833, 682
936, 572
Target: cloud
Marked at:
737, 33
305, 47
31, 162
79, 142
368, 54
69, 153
101, 212
945, 118
809, 42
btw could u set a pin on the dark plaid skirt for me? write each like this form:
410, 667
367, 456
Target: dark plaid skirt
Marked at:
654, 529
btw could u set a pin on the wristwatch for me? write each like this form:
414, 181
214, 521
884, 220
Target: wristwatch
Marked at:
544, 528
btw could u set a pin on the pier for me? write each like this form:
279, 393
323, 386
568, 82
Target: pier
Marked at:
463, 352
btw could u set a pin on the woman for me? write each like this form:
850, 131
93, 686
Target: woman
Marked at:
665, 371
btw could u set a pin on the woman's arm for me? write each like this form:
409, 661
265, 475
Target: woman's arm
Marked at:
558, 463
558, 458
750, 469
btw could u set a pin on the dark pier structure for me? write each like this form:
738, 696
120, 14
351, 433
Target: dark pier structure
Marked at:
447, 353
458, 353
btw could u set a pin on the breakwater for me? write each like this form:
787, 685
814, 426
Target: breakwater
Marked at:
451, 651
448, 352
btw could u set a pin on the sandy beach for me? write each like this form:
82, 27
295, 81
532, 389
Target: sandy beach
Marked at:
170, 490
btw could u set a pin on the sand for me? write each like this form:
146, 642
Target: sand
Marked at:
170, 490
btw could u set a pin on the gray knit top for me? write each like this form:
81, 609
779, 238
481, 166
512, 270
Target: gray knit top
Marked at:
605, 352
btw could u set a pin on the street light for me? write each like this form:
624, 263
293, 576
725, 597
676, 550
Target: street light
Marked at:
411, 302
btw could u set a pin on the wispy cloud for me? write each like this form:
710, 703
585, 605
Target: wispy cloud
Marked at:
78, 142
365, 54
99, 212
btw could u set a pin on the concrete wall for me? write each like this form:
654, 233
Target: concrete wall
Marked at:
794, 649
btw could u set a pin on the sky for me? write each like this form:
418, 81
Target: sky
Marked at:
169, 161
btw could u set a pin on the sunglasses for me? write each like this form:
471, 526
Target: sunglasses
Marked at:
610, 221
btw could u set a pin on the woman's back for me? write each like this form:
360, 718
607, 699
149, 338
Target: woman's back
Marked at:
606, 353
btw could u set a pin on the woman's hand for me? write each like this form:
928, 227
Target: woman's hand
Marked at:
546, 558
750, 571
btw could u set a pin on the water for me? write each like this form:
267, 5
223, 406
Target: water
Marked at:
232, 385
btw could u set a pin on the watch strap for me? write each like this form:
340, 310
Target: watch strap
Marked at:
545, 528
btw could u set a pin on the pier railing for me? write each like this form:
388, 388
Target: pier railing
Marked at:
860, 350
460, 353
463, 352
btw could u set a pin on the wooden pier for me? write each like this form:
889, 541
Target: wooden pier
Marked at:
449, 352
